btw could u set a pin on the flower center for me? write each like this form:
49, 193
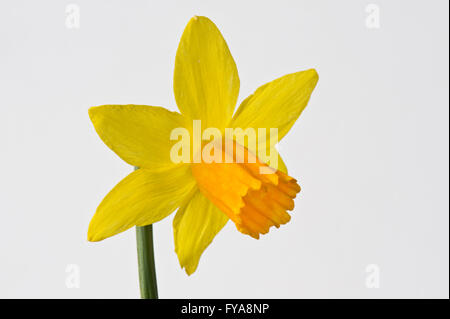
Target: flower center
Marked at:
253, 195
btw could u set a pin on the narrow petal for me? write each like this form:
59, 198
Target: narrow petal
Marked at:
142, 198
277, 104
195, 225
206, 81
139, 134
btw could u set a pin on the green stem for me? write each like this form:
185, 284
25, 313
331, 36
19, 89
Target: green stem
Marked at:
146, 262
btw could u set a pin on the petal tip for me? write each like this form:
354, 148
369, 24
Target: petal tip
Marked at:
93, 235
92, 238
94, 112
189, 269
197, 19
189, 272
314, 75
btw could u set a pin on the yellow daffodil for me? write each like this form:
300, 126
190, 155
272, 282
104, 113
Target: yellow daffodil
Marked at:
207, 195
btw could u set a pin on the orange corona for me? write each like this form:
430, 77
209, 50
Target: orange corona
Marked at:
253, 195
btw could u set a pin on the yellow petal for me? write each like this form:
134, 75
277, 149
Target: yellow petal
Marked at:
142, 198
206, 81
195, 225
139, 134
277, 104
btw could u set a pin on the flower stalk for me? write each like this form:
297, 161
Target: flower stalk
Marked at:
146, 262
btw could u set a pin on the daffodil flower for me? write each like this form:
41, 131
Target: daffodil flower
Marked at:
207, 195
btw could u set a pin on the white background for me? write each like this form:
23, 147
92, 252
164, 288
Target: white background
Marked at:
370, 151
